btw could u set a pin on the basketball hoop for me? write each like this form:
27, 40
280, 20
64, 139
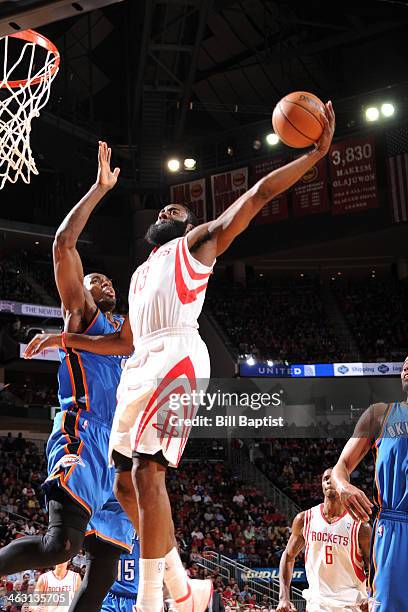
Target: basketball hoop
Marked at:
30, 64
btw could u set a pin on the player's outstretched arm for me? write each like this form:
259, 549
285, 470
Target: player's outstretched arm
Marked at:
236, 218
118, 343
366, 431
68, 270
294, 546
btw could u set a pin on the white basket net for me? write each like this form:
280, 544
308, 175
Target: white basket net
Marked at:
35, 67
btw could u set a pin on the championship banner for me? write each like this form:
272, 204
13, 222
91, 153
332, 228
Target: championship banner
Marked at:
309, 195
276, 209
353, 175
191, 194
226, 188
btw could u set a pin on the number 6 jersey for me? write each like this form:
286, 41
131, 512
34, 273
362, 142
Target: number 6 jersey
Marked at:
333, 560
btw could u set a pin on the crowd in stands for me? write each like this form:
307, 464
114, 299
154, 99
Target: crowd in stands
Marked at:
22, 470
14, 286
374, 310
281, 322
24, 279
295, 466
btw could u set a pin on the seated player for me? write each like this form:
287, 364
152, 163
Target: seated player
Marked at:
336, 550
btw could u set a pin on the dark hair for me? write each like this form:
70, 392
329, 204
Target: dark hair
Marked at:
191, 217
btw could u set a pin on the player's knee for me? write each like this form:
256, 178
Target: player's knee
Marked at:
123, 489
149, 480
62, 545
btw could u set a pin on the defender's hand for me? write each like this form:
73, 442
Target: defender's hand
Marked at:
40, 342
329, 119
356, 502
106, 178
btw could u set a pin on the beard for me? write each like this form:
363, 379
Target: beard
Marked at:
107, 304
405, 385
164, 231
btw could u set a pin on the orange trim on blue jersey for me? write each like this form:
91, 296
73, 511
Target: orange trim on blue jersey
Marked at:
68, 439
83, 379
107, 539
71, 376
386, 417
93, 321
73, 495
71, 469
377, 484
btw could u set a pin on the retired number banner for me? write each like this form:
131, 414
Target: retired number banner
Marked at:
191, 194
353, 175
309, 195
227, 187
276, 209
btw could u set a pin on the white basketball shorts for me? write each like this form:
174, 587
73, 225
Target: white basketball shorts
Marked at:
154, 400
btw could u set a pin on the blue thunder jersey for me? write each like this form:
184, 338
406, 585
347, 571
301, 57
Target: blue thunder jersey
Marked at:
389, 543
90, 381
391, 460
123, 593
127, 581
77, 450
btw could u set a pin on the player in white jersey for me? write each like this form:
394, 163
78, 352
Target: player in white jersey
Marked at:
336, 550
166, 296
58, 582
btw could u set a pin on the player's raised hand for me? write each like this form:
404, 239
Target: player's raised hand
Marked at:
285, 606
356, 501
40, 342
329, 120
106, 178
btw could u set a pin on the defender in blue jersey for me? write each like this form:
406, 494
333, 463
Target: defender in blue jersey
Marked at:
384, 429
79, 487
123, 593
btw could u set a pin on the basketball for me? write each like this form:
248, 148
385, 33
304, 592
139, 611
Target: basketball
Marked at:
297, 119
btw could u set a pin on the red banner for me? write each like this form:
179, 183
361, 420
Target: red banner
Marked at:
309, 195
191, 194
227, 187
353, 174
276, 209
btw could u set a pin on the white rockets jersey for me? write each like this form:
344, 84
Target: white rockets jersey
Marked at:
167, 290
333, 559
52, 584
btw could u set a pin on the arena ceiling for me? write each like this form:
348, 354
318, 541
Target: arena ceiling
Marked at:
153, 75
194, 67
